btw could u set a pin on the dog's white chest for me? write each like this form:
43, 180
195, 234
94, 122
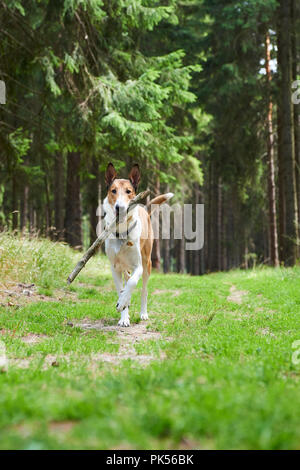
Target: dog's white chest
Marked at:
123, 254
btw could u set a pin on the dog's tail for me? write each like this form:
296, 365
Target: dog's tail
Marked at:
157, 201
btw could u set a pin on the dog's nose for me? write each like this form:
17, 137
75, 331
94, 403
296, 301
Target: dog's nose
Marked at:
119, 209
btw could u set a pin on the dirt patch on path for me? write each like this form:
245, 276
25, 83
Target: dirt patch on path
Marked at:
236, 295
126, 338
265, 332
50, 360
61, 426
19, 294
173, 293
32, 338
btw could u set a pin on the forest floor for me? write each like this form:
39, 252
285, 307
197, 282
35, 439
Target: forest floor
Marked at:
215, 366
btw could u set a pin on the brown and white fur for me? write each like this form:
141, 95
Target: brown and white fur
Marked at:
130, 258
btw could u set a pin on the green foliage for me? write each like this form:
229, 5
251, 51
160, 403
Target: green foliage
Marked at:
20, 143
90, 85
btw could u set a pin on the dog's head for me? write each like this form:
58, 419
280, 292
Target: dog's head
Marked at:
121, 191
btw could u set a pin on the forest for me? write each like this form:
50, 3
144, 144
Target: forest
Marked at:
203, 94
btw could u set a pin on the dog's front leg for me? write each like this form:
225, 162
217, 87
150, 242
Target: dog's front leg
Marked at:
117, 279
124, 320
125, 296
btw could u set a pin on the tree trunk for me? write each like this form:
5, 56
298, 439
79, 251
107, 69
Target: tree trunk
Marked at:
224, 230
246, 264
290, 239
156, 242
166, 249
14, 203
219, 224
93, 199
271, 168
73, 232
214, 219
32, 220
295, 16
235, 228
195, 255
24, 202
181, 255
24, 216
266, 233
281, 190
49, 228
201, 258
59, 194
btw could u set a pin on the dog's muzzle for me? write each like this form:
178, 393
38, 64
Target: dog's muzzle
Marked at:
120, 210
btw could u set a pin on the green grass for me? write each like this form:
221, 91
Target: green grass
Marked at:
221, 374
36, 260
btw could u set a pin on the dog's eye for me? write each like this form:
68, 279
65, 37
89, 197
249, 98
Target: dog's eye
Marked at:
128, 191
114, 191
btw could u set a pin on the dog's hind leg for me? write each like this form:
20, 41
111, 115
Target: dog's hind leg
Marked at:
144, 297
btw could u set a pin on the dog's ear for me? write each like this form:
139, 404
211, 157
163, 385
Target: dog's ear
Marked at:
110, 174
135, 176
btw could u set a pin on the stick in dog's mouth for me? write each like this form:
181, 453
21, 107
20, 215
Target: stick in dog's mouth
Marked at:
105, 234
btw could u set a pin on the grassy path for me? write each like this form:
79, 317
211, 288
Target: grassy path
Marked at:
211, 369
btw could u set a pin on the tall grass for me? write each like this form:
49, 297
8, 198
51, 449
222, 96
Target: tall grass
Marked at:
34, 260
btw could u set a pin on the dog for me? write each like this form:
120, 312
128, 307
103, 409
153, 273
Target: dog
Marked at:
129, 250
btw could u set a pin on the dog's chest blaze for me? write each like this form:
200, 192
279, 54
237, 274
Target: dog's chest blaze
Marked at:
122, 254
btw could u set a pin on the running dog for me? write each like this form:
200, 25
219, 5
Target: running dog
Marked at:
129, 250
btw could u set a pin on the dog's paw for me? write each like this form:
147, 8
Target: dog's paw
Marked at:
144, 316
123, 301
124, 322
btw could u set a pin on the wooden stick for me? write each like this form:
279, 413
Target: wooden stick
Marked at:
105, 234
